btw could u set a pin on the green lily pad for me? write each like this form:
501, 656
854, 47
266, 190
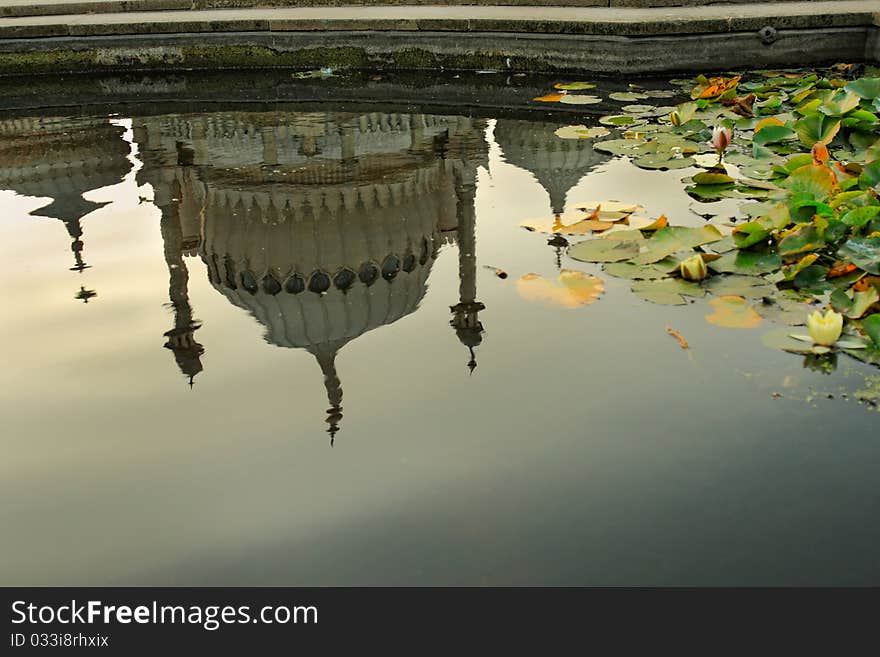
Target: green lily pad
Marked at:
619, 120
580, 99
629, 270
867, 88
605, 249
667, 291
871, 326
747, 262
864, 252
712, 178
669, 240
748, 287
664, 160
575, 86
774, 134
627, 96
815, 128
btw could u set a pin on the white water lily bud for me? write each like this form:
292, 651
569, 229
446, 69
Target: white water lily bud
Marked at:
721, 138
693, 269
675, 118
825, 330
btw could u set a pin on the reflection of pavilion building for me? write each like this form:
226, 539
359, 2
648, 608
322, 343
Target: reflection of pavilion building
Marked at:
322, 225
558, 164
62, 158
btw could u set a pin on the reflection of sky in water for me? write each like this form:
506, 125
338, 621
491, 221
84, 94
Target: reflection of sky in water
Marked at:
586, 447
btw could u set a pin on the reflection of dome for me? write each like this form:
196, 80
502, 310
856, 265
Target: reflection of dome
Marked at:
558, 164
321, 226
62, 158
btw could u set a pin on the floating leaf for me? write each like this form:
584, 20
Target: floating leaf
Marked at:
647, 223
654, 271
608, 210
715, 88
626, 96
863, 252
619, 120
840, 103
747, 262
867, 88
817, 180
574, 86
784, 308
570, 290
667, 291
665, 160
769, 121
712, 178
781, 339
804, 239
582, 225
550, 98
816, 127
774, 134
871, 326
733, 312
748, 287
580, 99
606, 249
581, 132
862, 300
672, 239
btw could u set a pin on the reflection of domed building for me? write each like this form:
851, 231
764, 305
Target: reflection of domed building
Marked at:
63, 158
322, 225
558, 164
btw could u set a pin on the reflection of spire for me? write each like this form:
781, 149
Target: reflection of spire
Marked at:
558, 242
181, 339
84, 295
327, 360
465, 317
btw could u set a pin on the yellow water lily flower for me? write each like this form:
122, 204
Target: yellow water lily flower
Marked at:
693, 269
825, 329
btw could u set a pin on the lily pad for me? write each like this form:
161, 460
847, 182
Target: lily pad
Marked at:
871, 326
627, 96
580, 99
571, 289
574, 86
750, 263
663, 160
606, 249
667, 291
863, 252
672, 239
748, 287
581, 132
732, 311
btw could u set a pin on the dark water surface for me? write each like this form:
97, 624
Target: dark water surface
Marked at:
198, 304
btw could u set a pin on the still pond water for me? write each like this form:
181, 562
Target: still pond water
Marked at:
263, 347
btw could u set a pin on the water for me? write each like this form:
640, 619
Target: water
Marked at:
168, 420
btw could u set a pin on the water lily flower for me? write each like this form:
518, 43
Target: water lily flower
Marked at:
721, 138
694, 268
825, 329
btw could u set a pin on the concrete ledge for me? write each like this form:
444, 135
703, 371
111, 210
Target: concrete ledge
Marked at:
11, 8
545, 20
601, 40
603, 54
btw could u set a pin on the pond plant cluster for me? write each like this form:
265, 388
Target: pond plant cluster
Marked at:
800, 150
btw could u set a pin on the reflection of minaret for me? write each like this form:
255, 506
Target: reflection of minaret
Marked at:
326, 356
63, 158
181, 339
465, 317
557, 164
